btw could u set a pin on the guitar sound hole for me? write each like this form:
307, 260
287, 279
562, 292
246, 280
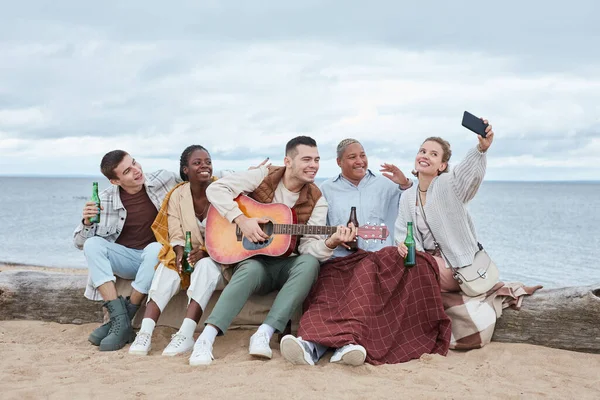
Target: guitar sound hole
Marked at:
266, 228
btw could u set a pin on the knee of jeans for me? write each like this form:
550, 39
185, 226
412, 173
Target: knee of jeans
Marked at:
153, 249
93, 244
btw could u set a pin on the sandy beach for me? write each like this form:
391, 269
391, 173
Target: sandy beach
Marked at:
54, 361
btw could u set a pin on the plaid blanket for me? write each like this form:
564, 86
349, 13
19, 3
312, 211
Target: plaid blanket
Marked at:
369, 298
474, 318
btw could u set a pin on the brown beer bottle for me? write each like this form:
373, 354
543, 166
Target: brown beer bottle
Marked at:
353, 244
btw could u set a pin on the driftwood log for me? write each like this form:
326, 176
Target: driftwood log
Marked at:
40, 294
46, 296
567, 318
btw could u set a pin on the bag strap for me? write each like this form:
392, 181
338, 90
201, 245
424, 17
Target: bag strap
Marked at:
435, 242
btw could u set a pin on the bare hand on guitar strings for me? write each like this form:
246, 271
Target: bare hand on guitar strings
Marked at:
251, 229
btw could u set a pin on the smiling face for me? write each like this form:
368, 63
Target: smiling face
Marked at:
303, 163
129, 174
429, 160
199, 167
354, 163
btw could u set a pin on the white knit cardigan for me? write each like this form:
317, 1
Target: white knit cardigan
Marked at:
446, 210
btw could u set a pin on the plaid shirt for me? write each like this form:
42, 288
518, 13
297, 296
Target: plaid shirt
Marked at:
112, 217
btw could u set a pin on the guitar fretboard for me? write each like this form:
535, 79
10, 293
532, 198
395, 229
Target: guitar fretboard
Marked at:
289, 229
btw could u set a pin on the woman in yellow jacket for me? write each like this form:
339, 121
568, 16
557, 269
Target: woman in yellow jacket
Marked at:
184, 209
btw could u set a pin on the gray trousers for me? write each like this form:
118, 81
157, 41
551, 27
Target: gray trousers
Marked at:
292, 276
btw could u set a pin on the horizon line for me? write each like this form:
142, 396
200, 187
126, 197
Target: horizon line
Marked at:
324, 178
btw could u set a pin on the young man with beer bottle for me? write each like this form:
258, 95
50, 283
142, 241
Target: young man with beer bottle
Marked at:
356, 195
122, 243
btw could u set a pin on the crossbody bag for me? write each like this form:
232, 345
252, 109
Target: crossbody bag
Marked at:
476, 278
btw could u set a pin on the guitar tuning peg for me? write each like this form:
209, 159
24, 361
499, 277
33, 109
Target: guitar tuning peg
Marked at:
382, 224
367, 222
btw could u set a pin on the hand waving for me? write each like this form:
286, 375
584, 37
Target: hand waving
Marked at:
394, 174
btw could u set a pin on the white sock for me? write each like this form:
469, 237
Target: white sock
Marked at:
209, 334
268, 329
188, 327
148, 325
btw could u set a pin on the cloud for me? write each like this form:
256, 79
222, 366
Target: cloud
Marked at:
243, 78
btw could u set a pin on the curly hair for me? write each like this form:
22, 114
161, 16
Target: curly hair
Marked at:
185, 158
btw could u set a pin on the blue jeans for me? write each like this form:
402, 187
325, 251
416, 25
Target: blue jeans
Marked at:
317, 350
106, 259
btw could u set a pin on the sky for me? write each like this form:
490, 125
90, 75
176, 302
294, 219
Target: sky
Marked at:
243, 77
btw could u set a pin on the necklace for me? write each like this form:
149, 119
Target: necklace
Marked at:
422, 191
203, 213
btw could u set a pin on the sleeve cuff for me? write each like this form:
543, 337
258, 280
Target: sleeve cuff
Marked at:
408, 185
233, 214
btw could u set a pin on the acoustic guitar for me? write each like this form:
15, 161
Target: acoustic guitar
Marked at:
226, 244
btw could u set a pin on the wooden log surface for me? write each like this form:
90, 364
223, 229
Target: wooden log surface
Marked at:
566, 318
39, 294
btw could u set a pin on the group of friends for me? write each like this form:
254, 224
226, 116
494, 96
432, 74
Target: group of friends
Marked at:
141, 237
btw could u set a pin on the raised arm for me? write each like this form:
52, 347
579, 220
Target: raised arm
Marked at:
469, 173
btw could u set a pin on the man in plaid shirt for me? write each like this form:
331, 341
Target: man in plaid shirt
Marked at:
122, 243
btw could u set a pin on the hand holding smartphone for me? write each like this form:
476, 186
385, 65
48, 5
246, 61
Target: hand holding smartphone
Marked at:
474, 124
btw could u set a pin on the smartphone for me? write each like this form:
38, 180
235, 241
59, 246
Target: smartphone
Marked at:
474, 124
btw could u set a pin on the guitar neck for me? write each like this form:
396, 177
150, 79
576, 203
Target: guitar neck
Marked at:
295, 229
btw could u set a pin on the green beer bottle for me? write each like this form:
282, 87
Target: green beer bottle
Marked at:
411, 258
185, 265
95, 199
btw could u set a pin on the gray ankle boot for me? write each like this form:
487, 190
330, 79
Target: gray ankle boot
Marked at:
121, 331
102, 331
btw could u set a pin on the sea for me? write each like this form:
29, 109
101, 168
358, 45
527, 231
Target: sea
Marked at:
545, 233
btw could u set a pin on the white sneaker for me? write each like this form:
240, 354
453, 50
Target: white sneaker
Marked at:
351, 354
202, 354
141, 345
259, 345
295, 350
179, 344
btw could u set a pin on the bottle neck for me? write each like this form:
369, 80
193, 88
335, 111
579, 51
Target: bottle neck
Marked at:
409, 229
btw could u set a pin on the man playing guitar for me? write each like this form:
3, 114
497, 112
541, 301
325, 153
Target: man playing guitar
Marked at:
294, 275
